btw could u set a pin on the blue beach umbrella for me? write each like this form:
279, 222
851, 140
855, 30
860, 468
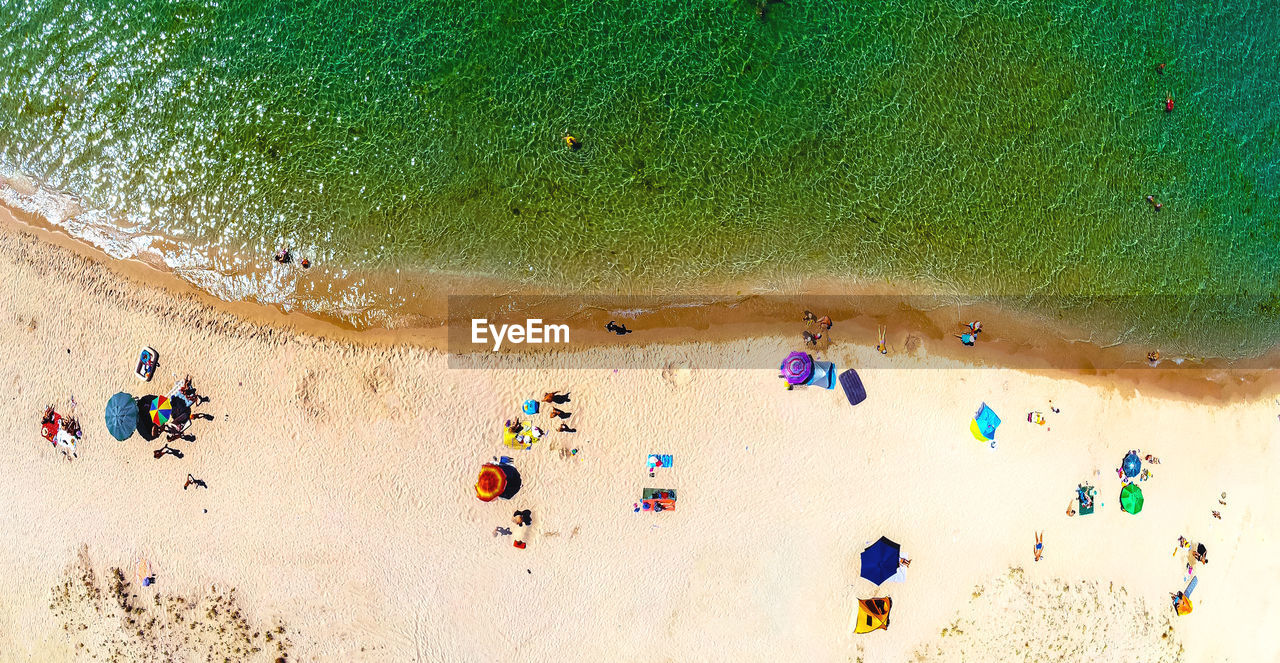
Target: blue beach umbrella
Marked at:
1131, 465
122, 416
880, 560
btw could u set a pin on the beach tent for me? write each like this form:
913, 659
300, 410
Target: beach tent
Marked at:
122, 416
1131, 498
824, 375
880, 560
984, 424
1131, 465
852, 385
797, 368
872, 615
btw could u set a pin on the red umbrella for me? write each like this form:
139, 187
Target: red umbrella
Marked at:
492, 482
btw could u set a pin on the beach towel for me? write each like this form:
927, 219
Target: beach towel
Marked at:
1191, 587
852, 385
659, 460
659, 494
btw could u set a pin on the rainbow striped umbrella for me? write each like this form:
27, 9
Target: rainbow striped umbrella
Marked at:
161, 410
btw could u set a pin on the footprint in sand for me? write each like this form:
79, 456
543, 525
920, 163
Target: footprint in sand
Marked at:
677, 374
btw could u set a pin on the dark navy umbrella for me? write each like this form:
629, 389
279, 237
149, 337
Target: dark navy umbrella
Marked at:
880, 560
122, 416
1131, 465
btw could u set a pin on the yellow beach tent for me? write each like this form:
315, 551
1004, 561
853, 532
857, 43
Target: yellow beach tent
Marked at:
871, 615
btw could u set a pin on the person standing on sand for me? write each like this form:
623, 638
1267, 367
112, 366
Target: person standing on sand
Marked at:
810, 338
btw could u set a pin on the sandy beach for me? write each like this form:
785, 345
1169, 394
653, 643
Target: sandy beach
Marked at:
340, 521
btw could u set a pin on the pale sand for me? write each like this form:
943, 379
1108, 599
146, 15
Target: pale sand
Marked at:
341, 508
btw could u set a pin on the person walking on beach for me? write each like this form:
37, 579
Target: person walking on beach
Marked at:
810, 338
975, 327
564, 428
881, 346
825, 322
555, 397
557, 413
1039, 549
198, 483
968, 339
166, 449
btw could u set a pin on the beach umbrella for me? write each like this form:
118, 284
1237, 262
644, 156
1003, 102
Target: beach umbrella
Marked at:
492, 482
1131, 465
797, 368
880, 560
161, 410
122, 416
1131, 498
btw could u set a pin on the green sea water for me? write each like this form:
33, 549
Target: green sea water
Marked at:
991, 148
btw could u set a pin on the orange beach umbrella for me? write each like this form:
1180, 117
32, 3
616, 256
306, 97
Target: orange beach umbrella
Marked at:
492, 482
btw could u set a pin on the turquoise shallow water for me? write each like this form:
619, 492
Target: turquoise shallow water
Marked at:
993, 148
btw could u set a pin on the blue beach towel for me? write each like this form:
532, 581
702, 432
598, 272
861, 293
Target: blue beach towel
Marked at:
659, 460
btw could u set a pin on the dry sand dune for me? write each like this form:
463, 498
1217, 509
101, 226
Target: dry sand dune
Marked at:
340, 517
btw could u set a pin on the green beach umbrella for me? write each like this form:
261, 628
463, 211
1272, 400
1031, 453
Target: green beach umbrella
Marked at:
122, 416
1131, 498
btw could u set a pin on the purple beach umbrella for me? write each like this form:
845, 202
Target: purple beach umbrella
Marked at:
797, 367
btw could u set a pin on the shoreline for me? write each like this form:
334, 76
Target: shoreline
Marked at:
340, 509
1024, 341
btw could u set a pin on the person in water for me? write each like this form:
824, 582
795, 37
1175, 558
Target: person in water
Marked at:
967, 339
283, 255
616, 328
1168, 103
810, 338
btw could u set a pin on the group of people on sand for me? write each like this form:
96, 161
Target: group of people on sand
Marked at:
970, 337
68, 425
823, 322
556, 398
